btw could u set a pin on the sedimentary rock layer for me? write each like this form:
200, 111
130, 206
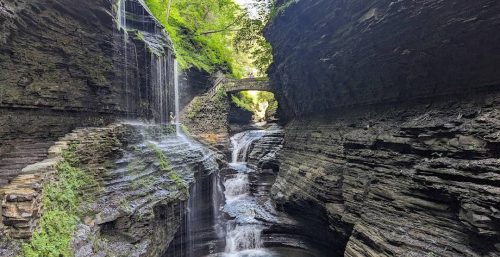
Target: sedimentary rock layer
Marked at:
137, 205
420, 179
67, 64
331, 54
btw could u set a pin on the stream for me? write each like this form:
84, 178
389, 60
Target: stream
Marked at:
229, 213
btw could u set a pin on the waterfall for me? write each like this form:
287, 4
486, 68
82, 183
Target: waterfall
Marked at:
243, 233
148, 92
241, 143
122, 17
176, 92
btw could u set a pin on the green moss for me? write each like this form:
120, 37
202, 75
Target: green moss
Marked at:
167, 167
185, 130
61, 201
139, 36
53, 237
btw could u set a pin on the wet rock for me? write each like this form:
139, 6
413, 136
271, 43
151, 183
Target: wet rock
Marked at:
398, 181
79, 70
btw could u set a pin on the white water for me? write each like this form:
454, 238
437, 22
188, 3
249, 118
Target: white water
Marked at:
122, 17
176, 92
243, 233
241, 143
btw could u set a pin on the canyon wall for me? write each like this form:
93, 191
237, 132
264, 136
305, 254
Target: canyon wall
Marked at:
330, 54
393, 108
135, 207
67, 64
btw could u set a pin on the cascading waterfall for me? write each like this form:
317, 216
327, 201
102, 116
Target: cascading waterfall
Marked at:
148, 92
241, 143
160, 86
243, 233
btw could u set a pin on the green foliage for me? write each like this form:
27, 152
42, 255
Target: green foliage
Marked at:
61, 202
195, 108
167, 167
53, 237
220, 97
243, 101
252, 100
202, 32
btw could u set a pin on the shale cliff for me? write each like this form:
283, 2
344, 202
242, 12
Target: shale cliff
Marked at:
393, 110
331, 54
67, 64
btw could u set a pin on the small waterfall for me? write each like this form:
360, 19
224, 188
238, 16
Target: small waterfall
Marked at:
243, 233
145, 61
241, 143
122, 17
176, 92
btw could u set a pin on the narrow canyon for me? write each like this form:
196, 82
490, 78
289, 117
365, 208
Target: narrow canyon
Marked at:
249, 128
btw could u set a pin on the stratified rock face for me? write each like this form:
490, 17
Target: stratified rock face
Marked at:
421, 179
330, 54
263, 154
69, 63
390, 175
138, 203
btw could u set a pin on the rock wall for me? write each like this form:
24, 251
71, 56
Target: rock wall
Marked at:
67, 64
136, 208
206, 118
414, 180
393, 110
330, 54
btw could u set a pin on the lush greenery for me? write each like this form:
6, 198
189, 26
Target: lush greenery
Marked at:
215, 34
261, 104
61, 201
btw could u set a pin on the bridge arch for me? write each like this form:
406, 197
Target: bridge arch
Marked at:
253, 84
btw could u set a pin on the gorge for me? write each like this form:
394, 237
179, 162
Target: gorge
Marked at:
115, 141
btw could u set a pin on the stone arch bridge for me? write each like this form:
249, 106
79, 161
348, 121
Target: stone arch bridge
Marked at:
237, 85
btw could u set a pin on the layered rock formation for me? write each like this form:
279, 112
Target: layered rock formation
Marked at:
136, 207
330, 54
67, 64
409, 181
394, 116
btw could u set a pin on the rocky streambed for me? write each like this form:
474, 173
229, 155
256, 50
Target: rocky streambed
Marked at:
246, 221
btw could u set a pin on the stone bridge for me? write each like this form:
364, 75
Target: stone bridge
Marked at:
237, 85
256, 84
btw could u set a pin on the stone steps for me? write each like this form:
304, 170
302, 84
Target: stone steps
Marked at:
20, 207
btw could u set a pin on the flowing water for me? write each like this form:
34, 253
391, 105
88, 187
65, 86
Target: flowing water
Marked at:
176, 91
222, 217
243, 232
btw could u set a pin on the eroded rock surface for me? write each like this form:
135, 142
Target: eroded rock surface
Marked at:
137, 205
66, 64
394, 120
330, 54
399, 180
